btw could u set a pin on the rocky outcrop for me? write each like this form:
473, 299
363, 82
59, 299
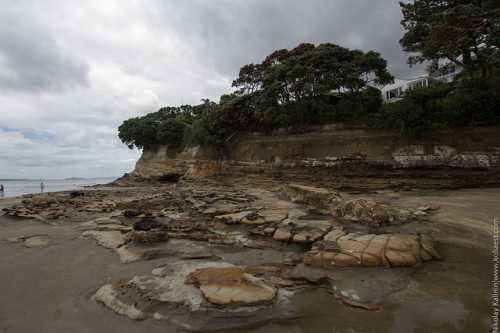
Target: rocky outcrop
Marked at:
54, 206
142, 226
148, 231
299, 227
231, 286
313, 196
233, 255
341, 249
107, 239
370, 212
345, 208
193, 294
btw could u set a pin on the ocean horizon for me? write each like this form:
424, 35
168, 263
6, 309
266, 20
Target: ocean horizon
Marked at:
19, 187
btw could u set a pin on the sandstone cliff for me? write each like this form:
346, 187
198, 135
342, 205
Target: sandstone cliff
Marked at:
345, 157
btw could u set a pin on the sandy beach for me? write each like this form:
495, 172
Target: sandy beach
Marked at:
50, 289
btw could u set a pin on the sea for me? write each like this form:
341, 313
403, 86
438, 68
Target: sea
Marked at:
18, 187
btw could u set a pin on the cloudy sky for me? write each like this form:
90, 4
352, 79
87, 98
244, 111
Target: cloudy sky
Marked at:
72, 71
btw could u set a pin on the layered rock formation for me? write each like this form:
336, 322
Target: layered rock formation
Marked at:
345, 157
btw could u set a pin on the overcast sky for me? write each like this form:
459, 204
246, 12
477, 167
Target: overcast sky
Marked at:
72, 71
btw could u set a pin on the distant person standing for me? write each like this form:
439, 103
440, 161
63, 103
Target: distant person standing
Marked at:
2, 190
42, 187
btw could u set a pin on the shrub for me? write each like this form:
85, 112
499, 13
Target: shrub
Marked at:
463, 103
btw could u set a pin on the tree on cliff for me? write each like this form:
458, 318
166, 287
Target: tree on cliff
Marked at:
309, 71
466, 32
310, 84
137, 132
164, 127
306, 85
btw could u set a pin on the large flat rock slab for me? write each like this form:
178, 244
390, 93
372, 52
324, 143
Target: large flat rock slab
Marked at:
232, 286
197, 295
341, 249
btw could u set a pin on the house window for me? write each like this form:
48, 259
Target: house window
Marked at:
395, 93
418, 84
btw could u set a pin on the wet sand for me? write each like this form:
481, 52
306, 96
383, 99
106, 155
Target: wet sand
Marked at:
50, 289
465, 216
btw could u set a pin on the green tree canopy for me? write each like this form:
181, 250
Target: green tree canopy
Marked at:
163, 127
466, 32
306, 85
309, 71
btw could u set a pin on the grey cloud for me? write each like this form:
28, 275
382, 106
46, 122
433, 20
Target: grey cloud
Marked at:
77, 69
229, 33
31, 59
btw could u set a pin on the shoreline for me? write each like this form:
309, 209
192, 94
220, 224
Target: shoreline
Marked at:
20, 188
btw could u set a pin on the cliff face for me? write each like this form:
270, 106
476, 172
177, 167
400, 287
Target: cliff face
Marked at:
347, 157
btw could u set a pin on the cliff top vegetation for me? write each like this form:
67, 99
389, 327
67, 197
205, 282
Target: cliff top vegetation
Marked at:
315, 84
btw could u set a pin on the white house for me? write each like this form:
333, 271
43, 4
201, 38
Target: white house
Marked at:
438, 72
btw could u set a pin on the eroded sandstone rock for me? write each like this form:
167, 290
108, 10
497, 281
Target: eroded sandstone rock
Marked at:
104, 224
107, 239
145, 237
32, 241
108, 296
189, 284
368, 211
342, 249
300, 227
36, 241
245, 217
148, 231
231, 286
164, 295
360, 210
312, 196
182, 249
55, 206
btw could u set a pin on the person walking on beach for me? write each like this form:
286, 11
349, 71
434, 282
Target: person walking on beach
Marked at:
2, 190
42, 186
